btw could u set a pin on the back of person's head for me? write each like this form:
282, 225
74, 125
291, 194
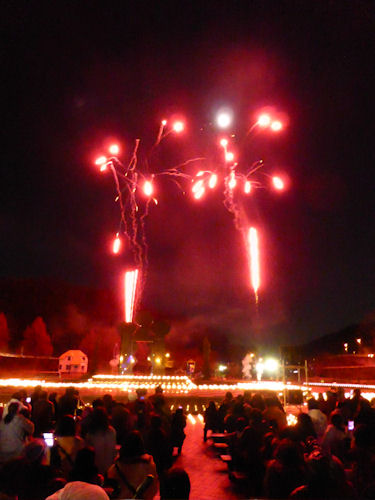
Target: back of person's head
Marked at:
364, 436
12, 412
312, 404
85, 458
255, 416
336, 419
108, 400
228, 396
99, 421
43, 395
66, 426
155, 422
97, 403
84, 468
212, 405
70, 391
132, 447
176, 485
79, 490
241, 423
289, 453
35, 451
257, 401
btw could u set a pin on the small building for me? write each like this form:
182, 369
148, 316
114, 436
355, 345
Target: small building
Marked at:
73, 364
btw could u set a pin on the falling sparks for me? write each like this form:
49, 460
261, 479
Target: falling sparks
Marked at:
212, 181
135, 183
130, 282
116, 244
254, 260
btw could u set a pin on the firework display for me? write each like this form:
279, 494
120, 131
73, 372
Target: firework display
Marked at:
135, 187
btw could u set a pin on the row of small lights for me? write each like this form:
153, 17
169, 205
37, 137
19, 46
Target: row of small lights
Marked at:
142, 377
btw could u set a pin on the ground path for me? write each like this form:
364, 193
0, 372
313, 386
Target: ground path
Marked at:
208, 474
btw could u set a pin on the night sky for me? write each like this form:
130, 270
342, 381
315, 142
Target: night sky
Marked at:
78, 74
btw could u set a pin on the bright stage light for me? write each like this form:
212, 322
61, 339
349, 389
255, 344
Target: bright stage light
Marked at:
114, 149
271, 365
224, 119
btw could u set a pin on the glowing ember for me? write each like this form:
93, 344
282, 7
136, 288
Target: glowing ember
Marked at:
223, 120
101, 160
197, 186
178, 127
224, 143
254, 260
116, 244
114, 149
148, 188
212, 181
232, 181
229, 156
264, 120
131, 278
278, 183
247, 187
276, 126
164, 122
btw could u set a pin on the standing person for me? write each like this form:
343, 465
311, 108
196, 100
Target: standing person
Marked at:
334, 436
19, 398
43, 414
67, 444
177, 429
318, 418
102, 437
68, 402
211, 420
132, 467
14, 430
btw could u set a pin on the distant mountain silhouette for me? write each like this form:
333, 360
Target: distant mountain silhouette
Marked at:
333, 343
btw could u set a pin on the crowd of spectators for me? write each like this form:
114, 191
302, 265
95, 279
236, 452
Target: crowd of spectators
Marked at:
329, 453
58, 448
55, 447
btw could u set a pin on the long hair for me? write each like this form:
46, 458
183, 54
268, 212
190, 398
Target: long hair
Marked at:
12, 412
